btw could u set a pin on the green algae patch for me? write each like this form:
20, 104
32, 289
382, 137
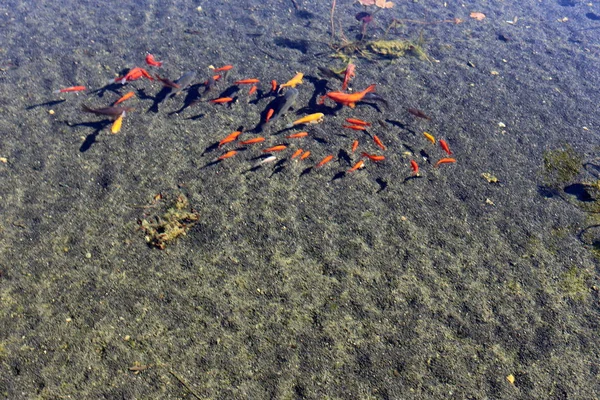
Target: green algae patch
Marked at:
161, 230
561, 166
574, 283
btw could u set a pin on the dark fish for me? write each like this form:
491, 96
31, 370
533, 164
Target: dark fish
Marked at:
375, 97
109, 111
418, 113
182, 82
167, 82
288, 100
329, 73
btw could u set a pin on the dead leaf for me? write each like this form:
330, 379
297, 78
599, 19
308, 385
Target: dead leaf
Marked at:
384, 4
477, 15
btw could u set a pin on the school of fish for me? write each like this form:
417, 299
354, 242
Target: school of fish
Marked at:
285, 96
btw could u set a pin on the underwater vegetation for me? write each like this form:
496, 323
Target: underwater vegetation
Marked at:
160, 230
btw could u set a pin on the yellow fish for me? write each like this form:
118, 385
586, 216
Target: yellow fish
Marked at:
296, 80
429, 137
309, 119
116, 126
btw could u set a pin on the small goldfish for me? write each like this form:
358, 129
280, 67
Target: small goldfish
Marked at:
252, 90
279, 147
355, 127
358, 165
349, 74
152, 62
295, 81
355, 121
415, 167
347, 99
223, 68
229, 154
309, 119
378, 142
373, 157
230, 138
445, 161
429, 137
354, 145
417, 113
305, 155
126, 96
70, 89
445, 146
297, 153
297, 135
250, 81
116, 126
113, 112
252, 141
273, 85
133, 74
269, 115
324, 161
222, 100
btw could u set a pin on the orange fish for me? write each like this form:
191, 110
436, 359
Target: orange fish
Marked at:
252, 141
70, 89
151, 61
273, 85
251, 81
223, 68
373, 157
415, 167
221, 100
296, 80
358, 165
297, 135
354, 145
349, 74
279, 147
355, 127
355, 121
378, 142
230, 138
445, 161
429, 137
324, 161
116, 126
444, 146
252, 90
347, 99
269, 115
227, 155
297, 153
126, 96
305, 155
134, 74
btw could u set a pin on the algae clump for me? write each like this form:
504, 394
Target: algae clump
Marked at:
561, 166
175, 222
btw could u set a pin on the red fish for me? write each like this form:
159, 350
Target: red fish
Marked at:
355, 127
355, 121
269, 115
227, 155
373, 157
279, 147
221, 100
152, 62
358, 165
305, 155
415, 167
347, 99
445, 161
251, 81
223, 68
252, 141
126, 96
349, 74
324, 161
354, 145
70, 89
378, 142
297, 153
252, 90
133, 74
297, 135
230, 138
273, 85
445, 146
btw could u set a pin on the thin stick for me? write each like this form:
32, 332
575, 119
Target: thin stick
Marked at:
184, 384
332, 26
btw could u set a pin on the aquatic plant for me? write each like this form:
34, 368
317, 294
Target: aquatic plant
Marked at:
561, 166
